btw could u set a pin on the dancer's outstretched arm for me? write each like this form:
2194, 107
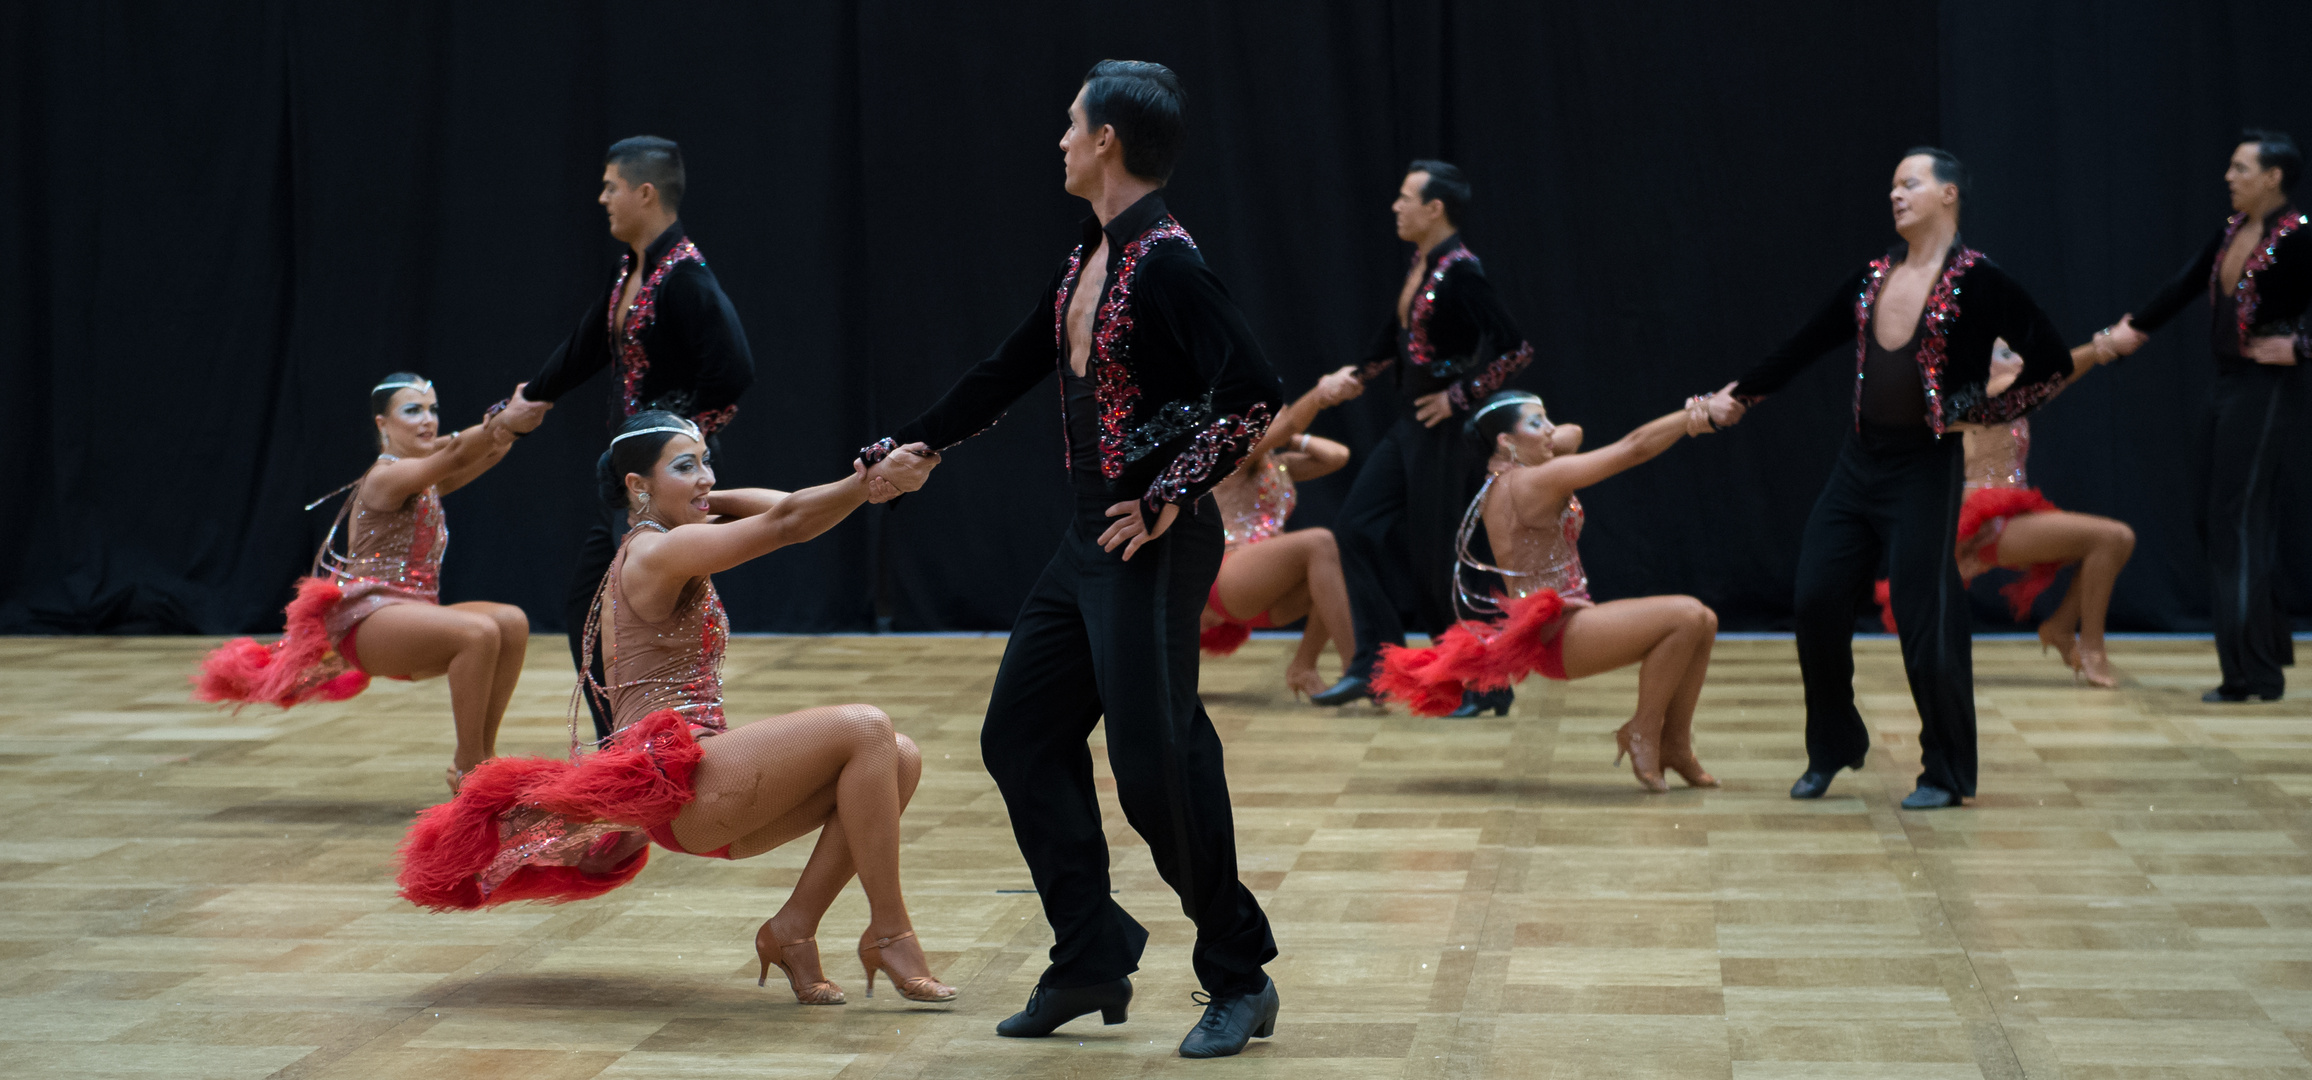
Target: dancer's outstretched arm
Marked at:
690, 551
1548, 484
469, 454
1311, 457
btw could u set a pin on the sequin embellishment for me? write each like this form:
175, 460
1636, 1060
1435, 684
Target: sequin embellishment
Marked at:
1418, 348
633, 360
392, 557
2244, 294
674, 663
1255, 504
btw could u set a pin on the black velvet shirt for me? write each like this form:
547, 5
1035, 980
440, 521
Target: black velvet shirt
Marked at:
682, 348
2277, 287
1458, 338
1971, 306
1182, 389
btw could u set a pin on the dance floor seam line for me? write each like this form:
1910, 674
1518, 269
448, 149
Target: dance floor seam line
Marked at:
2129, 897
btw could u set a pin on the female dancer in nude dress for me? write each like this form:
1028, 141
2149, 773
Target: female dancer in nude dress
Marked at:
1547, 622
377, 610
673, 770
2007, 523
1276, 575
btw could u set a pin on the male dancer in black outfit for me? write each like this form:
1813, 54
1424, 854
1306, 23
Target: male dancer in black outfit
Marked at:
666, 325
1164, 393
1922, 359
1452, 345
2257, 275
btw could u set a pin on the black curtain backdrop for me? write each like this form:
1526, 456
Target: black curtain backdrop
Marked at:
224, 223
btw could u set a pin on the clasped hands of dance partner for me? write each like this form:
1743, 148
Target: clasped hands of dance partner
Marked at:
900, 472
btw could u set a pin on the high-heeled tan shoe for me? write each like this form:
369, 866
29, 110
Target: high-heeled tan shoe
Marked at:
1304, 682
1644, 754
1678, 754
2065, 646
1689, 768
2094, 669
912, 987
773, 953
456, 778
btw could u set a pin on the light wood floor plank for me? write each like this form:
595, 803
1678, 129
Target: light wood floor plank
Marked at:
191, 893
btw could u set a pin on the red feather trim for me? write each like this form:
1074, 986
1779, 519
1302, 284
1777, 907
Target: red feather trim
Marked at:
1987, 504
1431, 681
1883, 593
300, 667
2024, 591
642, 779
1224, 639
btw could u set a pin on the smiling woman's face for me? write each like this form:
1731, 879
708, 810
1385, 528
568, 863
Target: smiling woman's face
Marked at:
1527, 441
409, 423
675, 491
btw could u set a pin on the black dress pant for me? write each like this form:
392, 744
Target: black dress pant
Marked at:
1396, 534
1101, 637
2251, 423
605, 527
1901, 503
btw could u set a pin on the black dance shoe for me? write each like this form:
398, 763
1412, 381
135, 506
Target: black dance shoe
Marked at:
1048, 1008
1814, 784
1230, 1022
1929, 797
1475, 702
1350, 688
2221, 695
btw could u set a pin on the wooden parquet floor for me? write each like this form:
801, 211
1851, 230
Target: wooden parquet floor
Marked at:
185, 893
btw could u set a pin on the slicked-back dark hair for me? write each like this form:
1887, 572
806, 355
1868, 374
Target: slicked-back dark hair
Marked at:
381, 398
1948, 169
1145, 104
2275, 150
1446, 185
648, 159
637, 454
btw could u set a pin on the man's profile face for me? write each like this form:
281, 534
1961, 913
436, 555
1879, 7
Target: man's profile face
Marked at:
1917, 197
1079, 149
2250, 181
628, 204
1415, 216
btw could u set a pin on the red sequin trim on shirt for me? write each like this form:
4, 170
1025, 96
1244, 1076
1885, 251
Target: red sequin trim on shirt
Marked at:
1940, 314
1417, 346
633, 361
2244, 294
1113, 386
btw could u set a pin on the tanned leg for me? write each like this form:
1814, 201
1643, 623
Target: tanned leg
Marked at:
2101, 547
753, 779
829, 868
420, 641
513, 644
1262, 576
1670, 638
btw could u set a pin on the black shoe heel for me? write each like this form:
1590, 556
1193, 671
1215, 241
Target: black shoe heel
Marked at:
1265, 1030
1113, 1015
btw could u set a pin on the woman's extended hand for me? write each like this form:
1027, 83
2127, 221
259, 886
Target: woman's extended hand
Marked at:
904, 470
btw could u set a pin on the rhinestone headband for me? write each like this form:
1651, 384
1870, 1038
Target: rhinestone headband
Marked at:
686, 429
1519, 398
400, 384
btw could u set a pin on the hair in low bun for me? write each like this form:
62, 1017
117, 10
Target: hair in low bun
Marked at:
635, 453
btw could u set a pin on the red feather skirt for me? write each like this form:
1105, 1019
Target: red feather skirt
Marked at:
1432, 681
300, 667
1983, 507
1988, 509
533, 828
